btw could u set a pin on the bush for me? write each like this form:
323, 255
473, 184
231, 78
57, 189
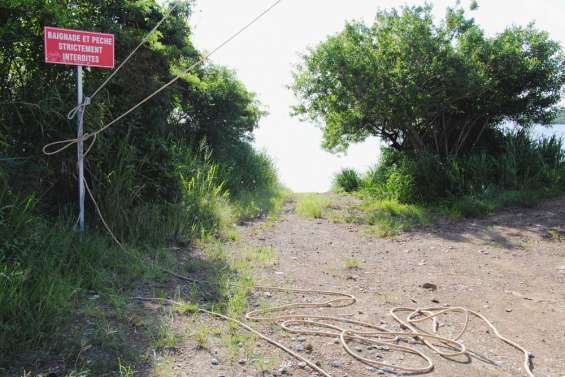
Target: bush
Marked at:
251, 179
347, 180
311, 206
45, 268
521, 165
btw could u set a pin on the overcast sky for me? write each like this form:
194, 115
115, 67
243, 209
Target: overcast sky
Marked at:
263, 58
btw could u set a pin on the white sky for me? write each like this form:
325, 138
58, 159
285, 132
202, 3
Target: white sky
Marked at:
264, 55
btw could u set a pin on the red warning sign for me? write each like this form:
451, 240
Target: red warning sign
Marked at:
76, 47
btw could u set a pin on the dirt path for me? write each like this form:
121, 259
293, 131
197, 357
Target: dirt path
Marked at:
510, 267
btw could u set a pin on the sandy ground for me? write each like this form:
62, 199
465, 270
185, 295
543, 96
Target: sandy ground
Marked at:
508, 267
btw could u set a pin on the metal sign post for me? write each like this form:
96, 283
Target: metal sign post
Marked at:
83, 49
80, 149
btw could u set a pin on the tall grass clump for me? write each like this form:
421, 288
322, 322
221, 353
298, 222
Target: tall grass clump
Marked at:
197, 206
515, 170
251, 179
311, 206
347, 180
45, 269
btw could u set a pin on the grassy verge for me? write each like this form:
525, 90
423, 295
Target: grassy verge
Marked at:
407, 189
389, 217
312, 206
67, 296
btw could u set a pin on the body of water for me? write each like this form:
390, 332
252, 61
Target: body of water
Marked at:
556, 129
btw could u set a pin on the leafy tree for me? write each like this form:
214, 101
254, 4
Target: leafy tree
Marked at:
560, 119
137, 160
425, 87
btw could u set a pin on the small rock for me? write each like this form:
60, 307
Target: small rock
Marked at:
215, 362
302, 365
430, 286
309, 347
508, 310
242, 361
336, 364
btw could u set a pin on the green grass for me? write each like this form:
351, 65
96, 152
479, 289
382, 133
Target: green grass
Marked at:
264, 256
166, 337
201, 335
478, 206
389, 218
352, 263
47, 271
311, 206
267, 202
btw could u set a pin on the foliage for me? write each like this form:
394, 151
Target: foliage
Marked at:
168, 173
45, 269
560, 119
147, 172
522, 164
347, 180
251, 179
311, 206
425, 87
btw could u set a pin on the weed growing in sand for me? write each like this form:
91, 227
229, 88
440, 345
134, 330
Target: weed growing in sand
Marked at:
265, 256
200, 335
352, 263
166, 337
311, 206
125, 370
163, 367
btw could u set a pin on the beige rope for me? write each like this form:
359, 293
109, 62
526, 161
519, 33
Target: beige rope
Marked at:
250, 329
421, 315
317, 325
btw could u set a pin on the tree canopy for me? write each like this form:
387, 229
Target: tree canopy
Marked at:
426, 86
209, 103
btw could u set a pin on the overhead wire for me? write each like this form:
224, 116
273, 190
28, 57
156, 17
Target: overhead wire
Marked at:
69, 142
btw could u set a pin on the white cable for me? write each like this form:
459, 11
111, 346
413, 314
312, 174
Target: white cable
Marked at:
88, 99
69, 142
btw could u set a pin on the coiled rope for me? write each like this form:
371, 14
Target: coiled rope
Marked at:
308, 324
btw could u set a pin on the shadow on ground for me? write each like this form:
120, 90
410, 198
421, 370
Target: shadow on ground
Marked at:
506, 228
115, 334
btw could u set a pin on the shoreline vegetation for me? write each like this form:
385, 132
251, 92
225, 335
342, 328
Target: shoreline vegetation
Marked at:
443, 98
400, 192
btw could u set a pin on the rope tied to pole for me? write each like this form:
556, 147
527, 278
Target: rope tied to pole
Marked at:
69, 142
